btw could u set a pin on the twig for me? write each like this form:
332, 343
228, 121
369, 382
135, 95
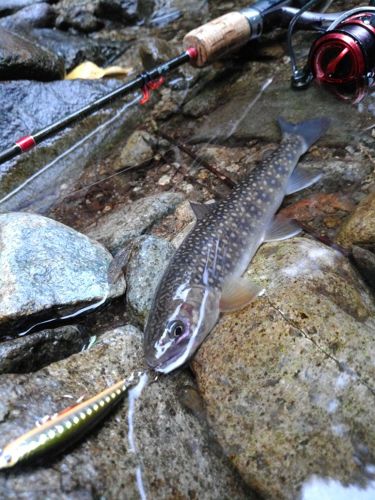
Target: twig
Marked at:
227, 180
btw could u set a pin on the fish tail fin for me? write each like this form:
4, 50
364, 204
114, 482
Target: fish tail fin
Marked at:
309, 130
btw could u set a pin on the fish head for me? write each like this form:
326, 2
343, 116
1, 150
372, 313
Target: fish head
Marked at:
177, 327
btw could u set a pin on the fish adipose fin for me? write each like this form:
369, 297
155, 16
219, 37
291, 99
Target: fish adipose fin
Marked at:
238, 293
301, 179
309, 130
281, 229
201, 209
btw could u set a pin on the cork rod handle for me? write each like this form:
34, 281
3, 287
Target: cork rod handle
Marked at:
217, 37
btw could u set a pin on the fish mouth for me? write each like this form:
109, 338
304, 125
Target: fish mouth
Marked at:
169, 364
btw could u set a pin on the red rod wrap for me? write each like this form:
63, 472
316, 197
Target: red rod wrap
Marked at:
26, 143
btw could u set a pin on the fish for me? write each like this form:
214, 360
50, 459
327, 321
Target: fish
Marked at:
63, 429
205, 275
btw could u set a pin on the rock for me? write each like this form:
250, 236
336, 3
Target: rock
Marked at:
149, 259
40, 15
22, 59
175, 455
360, 225
288, 381
116, 228
63, 157
123, 11
364, 259
80, 19
75, 49
8, 7
139, 150
48, 270
35, 350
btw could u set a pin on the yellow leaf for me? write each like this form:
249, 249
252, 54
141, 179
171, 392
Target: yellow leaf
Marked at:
90, 71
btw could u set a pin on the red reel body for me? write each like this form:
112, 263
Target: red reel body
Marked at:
344, 56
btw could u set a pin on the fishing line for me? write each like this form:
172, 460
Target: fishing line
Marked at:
82, 141
300, 77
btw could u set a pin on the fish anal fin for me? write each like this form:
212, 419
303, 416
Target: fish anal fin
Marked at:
200, 209
301, 178
238, 293
281, 229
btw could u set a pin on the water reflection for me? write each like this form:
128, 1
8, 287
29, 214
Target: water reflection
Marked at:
319, 488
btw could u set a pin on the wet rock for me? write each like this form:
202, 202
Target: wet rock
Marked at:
35, 350
118, 227
22, 59
40, 15
123, 11
360, 226
174, 453
138, 150
75, 49
48, 270
8, 7
288, 381
143, 272
364, 259
80, 18
59, 162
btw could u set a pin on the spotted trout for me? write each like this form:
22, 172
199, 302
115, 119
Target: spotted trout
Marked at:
204, 277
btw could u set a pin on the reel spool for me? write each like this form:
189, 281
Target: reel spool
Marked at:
343, 58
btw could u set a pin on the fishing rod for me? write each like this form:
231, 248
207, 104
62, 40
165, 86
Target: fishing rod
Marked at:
207, 43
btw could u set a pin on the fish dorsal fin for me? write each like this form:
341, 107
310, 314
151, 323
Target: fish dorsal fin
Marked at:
238, 293
201, 209
281, 229
301, 178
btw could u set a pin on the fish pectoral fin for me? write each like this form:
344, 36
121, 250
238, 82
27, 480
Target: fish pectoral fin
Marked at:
238, 293
301, 178
281, 229
201, 209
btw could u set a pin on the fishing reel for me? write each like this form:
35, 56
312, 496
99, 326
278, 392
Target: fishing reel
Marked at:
343, 58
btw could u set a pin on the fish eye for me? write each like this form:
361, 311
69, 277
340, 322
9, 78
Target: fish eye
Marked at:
176, 329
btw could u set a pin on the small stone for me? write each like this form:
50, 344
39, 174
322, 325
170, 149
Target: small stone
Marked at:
119, 226
40, 15
360, 225
143, 272
139, 150
164, 180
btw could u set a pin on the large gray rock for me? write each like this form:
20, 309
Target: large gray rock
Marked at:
11, 6
175, 454
124, 224
39, 15
148, 261
75, 49
289, 380
31, 352
22, 59
48, 270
